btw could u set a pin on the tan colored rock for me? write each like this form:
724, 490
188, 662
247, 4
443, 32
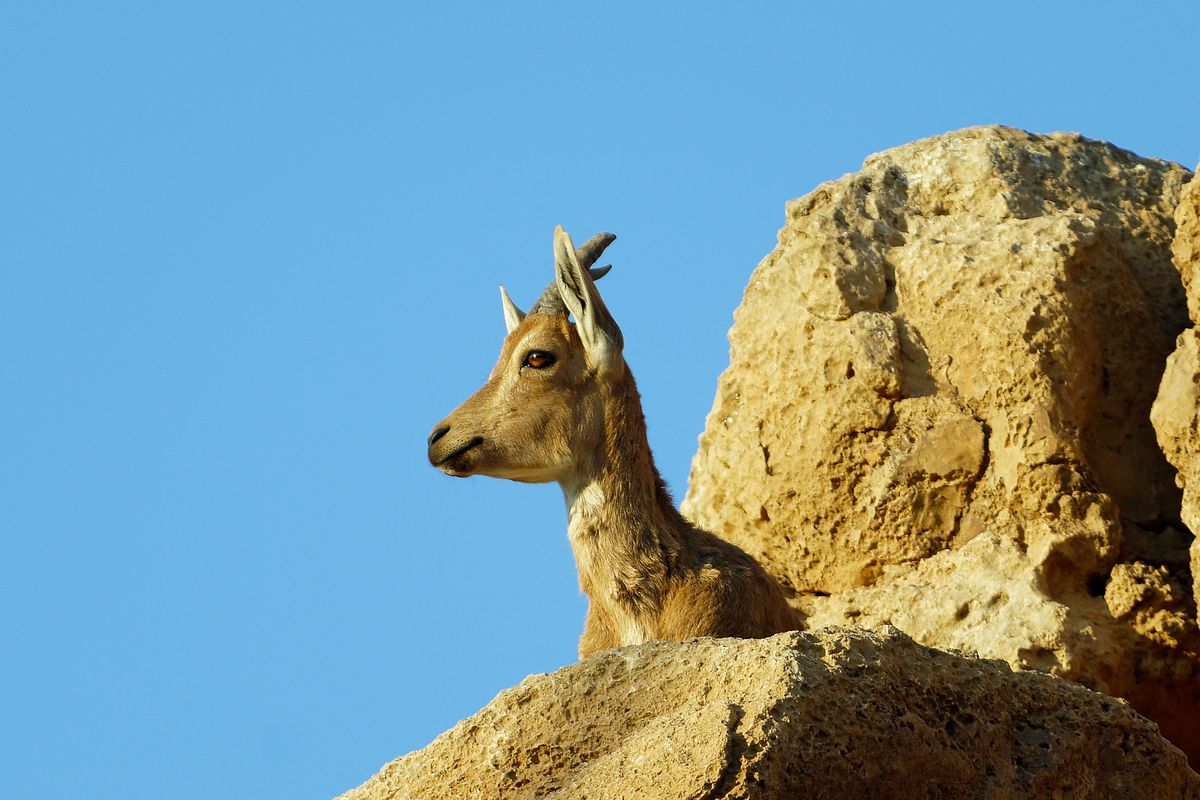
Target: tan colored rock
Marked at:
936, 413
1186, 245
836, 713
1176, 412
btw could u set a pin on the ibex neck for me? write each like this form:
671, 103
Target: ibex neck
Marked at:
612, 506
619, 476
621, 489
624, 530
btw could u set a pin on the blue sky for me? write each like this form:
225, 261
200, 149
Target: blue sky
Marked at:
249, 257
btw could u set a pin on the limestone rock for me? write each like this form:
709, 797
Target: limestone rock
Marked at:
1176, 411
1186, 246
837, 713
937, 411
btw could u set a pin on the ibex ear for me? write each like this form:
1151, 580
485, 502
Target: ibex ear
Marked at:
512, 314
602, 341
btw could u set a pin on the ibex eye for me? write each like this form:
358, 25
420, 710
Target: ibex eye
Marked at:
539, 359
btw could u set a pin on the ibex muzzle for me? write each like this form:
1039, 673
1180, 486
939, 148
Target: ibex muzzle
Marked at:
561, 405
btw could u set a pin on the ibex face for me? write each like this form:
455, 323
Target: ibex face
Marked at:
541, 409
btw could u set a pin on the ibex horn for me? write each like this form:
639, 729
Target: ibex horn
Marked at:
550, 302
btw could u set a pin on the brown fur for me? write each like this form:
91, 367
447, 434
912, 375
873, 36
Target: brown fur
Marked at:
647, 572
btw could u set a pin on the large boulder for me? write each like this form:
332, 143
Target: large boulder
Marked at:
937, 411
1176, 411
837, 713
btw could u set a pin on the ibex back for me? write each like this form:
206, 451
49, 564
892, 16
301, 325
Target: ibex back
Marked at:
561, 405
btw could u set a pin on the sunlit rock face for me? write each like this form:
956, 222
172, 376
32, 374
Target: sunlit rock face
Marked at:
1176, 412
836, 713
937, 411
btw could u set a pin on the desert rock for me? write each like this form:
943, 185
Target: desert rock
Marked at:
837, 713
1176, 411
937, 411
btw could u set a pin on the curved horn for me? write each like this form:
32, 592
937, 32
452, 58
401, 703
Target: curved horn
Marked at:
551, 302
593, 248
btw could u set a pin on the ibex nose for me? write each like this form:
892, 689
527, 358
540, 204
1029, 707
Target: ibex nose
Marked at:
438, 433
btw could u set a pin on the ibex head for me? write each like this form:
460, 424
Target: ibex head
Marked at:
542, 408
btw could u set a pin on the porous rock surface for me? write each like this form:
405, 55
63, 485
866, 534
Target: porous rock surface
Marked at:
1176, 411
837, 713
937, 411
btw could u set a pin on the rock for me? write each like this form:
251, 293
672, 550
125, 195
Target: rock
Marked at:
1186, 245
1176, 411
836, 713
937, 411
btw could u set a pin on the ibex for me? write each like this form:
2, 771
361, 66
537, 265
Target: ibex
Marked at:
561, 405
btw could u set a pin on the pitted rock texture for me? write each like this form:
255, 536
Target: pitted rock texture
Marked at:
937, 411
1176, 412
836, 713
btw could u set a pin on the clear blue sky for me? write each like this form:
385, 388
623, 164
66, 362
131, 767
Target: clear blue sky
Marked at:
249, 255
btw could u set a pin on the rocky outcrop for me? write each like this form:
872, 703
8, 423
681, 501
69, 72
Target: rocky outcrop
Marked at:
838, 713
1176, 411
937, 411
937, 416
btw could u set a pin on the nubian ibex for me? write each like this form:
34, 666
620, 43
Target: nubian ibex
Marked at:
561, 405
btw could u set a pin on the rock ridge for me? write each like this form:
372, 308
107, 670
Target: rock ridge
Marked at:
837, 712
